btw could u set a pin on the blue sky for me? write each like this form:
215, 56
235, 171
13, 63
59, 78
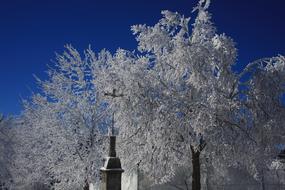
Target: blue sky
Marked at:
31, 31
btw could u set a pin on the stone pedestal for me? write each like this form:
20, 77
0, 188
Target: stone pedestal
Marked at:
111, 173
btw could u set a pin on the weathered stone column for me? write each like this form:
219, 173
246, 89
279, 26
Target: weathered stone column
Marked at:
112, 171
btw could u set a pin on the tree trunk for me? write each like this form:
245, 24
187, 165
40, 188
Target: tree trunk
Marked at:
262, 181
196, 175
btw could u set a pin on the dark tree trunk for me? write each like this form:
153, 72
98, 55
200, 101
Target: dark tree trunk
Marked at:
196, 175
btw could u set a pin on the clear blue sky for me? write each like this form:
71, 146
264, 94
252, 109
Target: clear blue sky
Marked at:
31, 31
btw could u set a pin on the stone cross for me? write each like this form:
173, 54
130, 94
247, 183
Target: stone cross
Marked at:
113, 95
112, 171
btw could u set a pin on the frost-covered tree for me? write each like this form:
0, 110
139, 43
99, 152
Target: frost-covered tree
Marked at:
263, 101
7, 152
178, 95
181, 99
64, 125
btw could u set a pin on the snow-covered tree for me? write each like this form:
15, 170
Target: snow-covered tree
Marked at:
64, 125
7, 152
181, 99
263, 101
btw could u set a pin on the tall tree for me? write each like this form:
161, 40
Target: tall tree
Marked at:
64, 125
263, 101
181, 99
